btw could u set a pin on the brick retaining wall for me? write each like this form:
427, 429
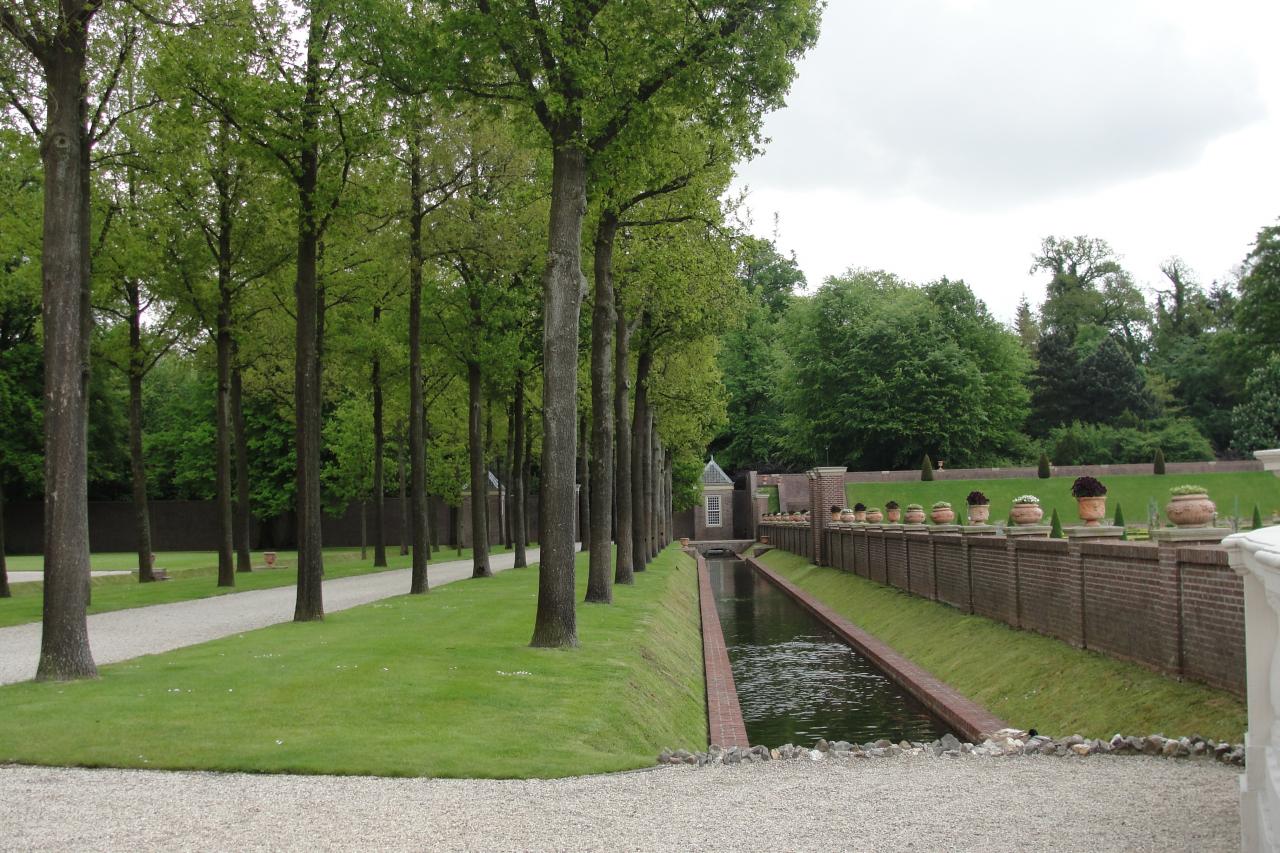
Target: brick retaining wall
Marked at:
725, 727
1177, 610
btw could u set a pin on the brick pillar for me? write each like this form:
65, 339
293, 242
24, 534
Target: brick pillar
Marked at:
826, 489
1168, 542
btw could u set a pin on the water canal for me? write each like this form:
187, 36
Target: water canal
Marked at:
797, 681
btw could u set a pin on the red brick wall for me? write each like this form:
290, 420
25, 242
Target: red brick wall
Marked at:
1130, 605
995, 585
877, 567
859, 547
1049, 586
1212, 618
920, 564
952, 570
895, 558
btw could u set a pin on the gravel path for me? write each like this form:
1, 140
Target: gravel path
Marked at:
32, 577
911, 803
123, 634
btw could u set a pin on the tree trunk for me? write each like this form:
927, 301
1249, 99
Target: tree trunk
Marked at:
651, 481
519, 472
310, 599
4, 569
479, 476
222, 412
505, 492
457, 529
417, 408
379, 450
526, 488
563, 283
640, 464
584, 486
243, 519
600, 575
137, 465
64, 641
624, 570
404, 503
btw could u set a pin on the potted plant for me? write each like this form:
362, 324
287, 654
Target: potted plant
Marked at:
942, 513
874, 515
979, 507
859, 512
1091, 498
1026, 510
892, 512
846, 516
835, 513
915, 514
1189, 506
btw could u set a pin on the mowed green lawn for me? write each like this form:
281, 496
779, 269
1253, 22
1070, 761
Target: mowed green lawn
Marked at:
1132, 492
443, 684
1029, 680
193, 574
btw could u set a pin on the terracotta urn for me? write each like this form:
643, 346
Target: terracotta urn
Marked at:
893, 516
1092, 510
835, 515
915, 516
764, 539
979, 513
1191, 510
944, 515
270, 558
1026, 513
847, 516
684, 541
859, 515
875, 516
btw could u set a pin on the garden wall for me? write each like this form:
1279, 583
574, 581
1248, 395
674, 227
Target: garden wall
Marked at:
1176, 609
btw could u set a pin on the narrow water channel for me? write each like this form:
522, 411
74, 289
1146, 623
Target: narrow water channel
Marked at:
797, 680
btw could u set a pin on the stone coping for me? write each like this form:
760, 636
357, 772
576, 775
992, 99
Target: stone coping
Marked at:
725, 727
1040, 530
1189, 534
966, 717
1081, 532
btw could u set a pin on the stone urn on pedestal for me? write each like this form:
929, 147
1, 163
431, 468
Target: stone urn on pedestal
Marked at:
1189, 506
269, 557
847, 516
835, 514
915, 514
1091, 499
859, 512
874, 515
942, 513
892, 513
979, 507
1026, 510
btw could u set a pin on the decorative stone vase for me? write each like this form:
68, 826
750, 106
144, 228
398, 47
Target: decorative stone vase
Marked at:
835, 515
915, 516
875, 516
1191, 510
270, 558
979, 513
764, 539
684, 541
847, 516
1026, 513
860, 515
893, 515
1092, 510
945, 515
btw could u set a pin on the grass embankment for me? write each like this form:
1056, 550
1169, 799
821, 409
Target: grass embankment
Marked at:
192, 574
1030, 680
1132, 492
442, 684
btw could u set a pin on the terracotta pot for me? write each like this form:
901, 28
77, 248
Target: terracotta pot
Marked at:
859, 515
893, 515
835, 515
943, 516
1191, 510
1026, 513
764, 539
979, 513
847, 516
915, 516
1092, 510
270, 558
875, 517
684, 541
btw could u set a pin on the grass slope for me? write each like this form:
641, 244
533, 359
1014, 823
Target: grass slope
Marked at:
1133, 492
193, 574
1030, 680
438, 685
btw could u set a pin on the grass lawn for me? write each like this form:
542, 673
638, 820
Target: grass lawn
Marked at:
1132, 492
442, 684
193, 574
1030, 680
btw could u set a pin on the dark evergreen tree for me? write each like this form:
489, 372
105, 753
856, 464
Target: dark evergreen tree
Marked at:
926, 468
1157, 467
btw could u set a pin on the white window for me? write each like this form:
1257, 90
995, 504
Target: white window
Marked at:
713, 510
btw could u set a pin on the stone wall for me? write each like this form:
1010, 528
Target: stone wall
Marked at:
1177, 609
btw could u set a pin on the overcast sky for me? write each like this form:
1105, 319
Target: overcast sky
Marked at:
948, 137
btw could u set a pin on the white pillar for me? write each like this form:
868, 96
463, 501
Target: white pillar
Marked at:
1255, 556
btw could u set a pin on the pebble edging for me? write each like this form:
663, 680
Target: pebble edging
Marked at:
1006, 742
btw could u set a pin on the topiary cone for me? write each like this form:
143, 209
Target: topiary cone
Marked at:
1119, 522
1157, 466
1257, 517
926, 468
1044, 471
1056, 531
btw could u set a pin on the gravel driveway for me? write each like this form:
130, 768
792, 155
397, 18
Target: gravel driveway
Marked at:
914, 803
123, 634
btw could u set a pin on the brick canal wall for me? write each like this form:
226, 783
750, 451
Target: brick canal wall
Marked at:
725, 727
1176, 609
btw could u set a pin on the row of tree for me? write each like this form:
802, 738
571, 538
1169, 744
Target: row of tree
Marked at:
876, 372
336, 209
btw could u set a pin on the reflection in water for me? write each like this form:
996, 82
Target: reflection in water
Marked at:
797, 681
